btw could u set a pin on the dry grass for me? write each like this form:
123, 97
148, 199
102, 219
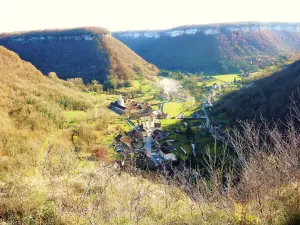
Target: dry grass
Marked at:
126, 64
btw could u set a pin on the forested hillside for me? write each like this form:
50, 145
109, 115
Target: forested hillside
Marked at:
31, 107
270, 97
216, 48
89, 53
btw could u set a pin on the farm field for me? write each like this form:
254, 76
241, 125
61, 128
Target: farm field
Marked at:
227, 77
175, 108
221, 79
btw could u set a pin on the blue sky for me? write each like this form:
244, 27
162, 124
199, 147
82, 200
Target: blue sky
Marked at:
19, 15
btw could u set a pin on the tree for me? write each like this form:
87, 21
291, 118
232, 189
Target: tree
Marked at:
133, 94
189, 132
242, 72
224, 69
53, 76
76, 81
96, 87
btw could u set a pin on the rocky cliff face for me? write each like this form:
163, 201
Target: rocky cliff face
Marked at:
211, 30
82, 52
215, 48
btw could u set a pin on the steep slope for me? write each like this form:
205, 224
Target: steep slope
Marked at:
90, 53
126, 64
31, 104
269, 97
216, 48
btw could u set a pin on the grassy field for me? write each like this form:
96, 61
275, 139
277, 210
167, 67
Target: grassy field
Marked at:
191, 122
227, 77
148, 90
175, 108
166, 123
181, 141
75, 115
180, 138
221, 79
191, 109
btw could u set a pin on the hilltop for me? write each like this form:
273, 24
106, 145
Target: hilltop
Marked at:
216, 48
90, 53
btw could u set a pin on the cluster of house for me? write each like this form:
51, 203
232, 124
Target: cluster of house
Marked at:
131, 142
162, 151
135, 110
219, 87
206, 78
147, 138
175, 94
159, 114
208, 103
131, 108
159, 150
212, 94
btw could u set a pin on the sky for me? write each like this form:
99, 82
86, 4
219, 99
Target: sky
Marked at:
120, 15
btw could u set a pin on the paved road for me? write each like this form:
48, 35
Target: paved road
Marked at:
194, 148
148, 143
207, 124
131, 123
162, 107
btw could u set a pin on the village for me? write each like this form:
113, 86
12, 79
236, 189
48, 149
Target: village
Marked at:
156, 148
147, 139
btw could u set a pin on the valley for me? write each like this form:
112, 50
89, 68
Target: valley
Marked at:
92, 133
178, 120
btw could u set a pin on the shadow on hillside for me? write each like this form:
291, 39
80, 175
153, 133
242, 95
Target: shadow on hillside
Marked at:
269, 97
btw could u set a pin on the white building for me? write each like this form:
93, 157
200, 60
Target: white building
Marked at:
168, 156
121, 101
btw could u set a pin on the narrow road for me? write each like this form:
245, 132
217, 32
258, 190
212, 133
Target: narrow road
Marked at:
193, 145
130, 123
162, 107
148, 143
207, 124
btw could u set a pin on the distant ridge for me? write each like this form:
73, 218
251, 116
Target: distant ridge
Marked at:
209, 25
87, 52
216, 48
95, 30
